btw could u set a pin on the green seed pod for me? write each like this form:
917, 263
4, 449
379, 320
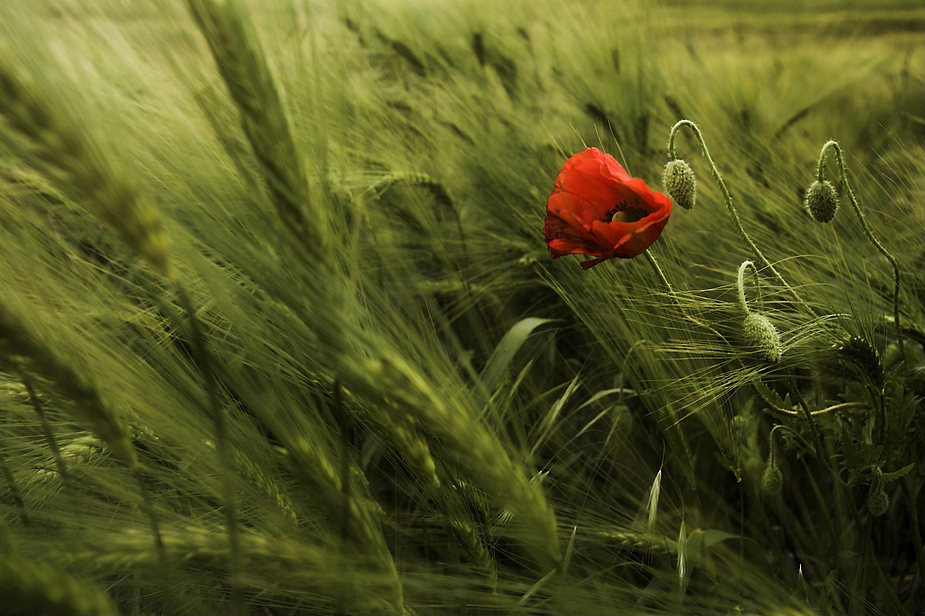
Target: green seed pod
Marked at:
877, 501
821, 201
679, 182
773, 480
762, 336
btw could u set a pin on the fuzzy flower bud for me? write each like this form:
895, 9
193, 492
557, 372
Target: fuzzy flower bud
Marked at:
821, 201
762, 336
773, 480
877, 501
679, 182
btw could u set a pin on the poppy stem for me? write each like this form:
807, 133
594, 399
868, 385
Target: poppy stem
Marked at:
658, 270
741, 286
839, 159
674, 296
728, 198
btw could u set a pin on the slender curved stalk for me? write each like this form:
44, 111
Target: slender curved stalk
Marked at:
204, 359
843, 172
658, 270
728, 198
792, 432
817, 435
15, 496
46, 428
158, 539
740, 284
667, 283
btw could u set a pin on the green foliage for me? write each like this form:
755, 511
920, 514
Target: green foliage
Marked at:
361, 386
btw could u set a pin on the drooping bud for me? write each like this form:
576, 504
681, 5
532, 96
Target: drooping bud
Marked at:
762, 337
821, 201
773, 480
877, 500
679, 182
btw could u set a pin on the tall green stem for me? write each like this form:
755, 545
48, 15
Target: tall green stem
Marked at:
148, 504
658, 270
843, 172
15, 496
46, 428
204, 359
728, 198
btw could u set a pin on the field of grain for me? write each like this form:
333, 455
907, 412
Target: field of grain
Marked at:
280, 333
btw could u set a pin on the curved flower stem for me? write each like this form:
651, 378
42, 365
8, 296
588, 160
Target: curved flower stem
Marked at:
728, 198
793, 433
740, 283
833, 145
789, 413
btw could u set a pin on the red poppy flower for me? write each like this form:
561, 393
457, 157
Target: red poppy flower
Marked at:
597, 209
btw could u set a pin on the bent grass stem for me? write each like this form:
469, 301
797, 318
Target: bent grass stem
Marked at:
221, 438
46, 428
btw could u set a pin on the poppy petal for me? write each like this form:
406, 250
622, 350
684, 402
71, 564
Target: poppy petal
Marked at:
597, 209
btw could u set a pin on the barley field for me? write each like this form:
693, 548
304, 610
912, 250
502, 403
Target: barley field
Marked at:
280, 332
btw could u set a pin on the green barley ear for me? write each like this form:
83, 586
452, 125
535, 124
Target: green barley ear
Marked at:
679, 182
821, 201
652, 503
243, 66
39, 115
878, 503
684, 571
857, 356
22, 345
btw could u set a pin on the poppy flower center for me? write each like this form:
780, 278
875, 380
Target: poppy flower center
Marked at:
625, 212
